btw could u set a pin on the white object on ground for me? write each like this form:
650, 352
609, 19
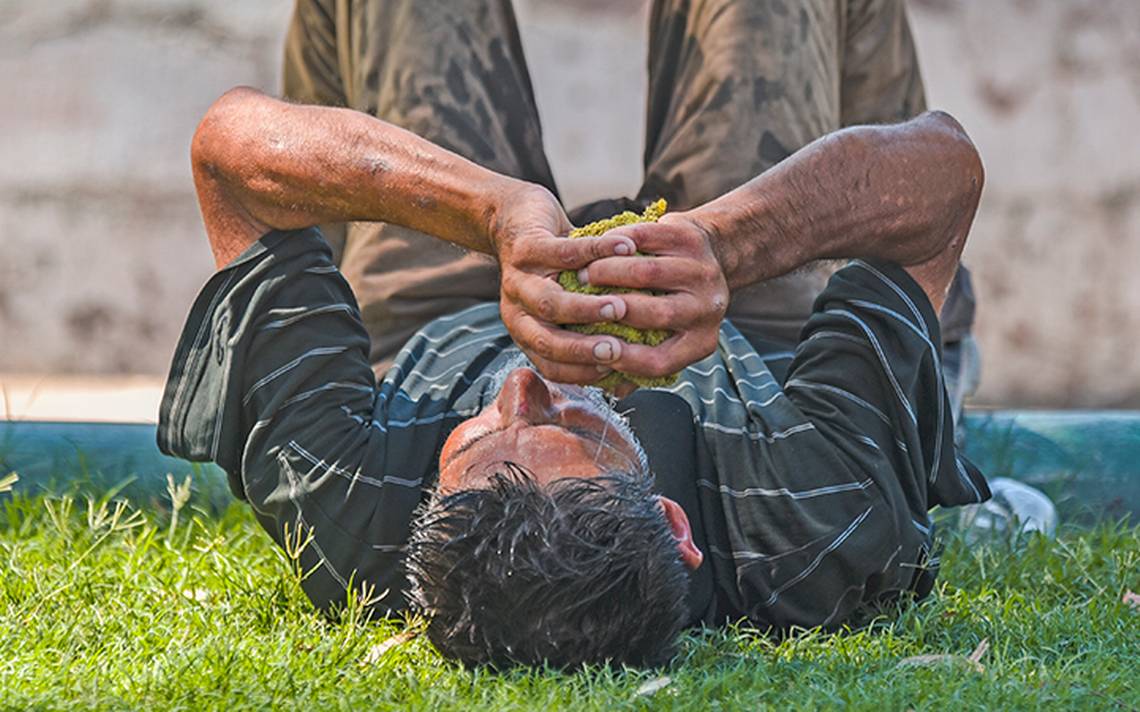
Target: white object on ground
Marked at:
1014, 508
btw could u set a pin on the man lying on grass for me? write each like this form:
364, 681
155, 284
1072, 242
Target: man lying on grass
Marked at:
532, 520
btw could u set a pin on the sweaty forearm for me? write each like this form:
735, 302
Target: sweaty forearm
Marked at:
906, 193
261, 164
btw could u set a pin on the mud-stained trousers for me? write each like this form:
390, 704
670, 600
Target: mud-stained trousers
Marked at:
735, 86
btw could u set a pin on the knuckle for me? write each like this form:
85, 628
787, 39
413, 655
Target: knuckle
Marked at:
545, 308
543, 345
646, 272
657, 365
600, 248
667, 314
710, 272
509, 317
566, 253
516, 252
508, 284
597, 272
554, 372
583, 352
694, 239
716, 310
664, 368
682, 239
540, 364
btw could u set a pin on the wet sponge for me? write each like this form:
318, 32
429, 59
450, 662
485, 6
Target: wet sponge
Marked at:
649, 337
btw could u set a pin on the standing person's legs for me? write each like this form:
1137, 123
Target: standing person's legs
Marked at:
454, 73
735, 87
961, 359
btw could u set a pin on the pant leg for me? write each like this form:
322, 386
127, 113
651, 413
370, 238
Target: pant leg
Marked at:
735, 87
961, 358
962, 371
453, 72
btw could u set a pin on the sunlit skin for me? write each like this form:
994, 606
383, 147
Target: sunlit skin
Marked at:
551, 431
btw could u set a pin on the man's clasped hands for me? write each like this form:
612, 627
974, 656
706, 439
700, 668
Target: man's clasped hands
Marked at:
672, 262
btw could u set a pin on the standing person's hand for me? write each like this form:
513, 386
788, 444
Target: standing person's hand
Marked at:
691, 293
528, 234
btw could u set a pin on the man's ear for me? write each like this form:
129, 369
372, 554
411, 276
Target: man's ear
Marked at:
682, 533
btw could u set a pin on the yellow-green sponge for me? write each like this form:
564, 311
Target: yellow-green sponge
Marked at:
649, 337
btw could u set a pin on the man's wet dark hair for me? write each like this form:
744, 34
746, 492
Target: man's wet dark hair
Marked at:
575, 572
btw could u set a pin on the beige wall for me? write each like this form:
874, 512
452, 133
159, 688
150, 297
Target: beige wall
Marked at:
101, 249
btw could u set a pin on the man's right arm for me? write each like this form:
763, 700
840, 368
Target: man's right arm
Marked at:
261, 164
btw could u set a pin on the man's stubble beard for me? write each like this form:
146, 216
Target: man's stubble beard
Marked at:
617, 424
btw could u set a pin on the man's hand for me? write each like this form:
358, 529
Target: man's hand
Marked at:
691, 292
528, 233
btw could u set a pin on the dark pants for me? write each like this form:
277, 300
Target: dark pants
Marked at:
734, 88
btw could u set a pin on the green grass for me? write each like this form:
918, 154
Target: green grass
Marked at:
108, 607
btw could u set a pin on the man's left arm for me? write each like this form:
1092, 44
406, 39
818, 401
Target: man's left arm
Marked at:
906, 193
832, 483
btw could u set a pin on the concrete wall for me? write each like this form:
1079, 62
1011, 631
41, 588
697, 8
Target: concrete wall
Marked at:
101, 249
1050, 92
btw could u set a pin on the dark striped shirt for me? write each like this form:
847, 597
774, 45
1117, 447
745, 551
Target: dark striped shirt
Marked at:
810, 496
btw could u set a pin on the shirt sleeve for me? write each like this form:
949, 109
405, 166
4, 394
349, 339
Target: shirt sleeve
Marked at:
867, 375
271, 381
825, 494
881, 82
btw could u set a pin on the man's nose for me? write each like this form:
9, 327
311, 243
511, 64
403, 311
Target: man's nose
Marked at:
526, 397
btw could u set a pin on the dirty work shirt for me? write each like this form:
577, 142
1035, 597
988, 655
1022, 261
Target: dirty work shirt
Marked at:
810, 498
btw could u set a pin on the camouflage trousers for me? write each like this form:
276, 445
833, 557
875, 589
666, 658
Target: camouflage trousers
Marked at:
734, 88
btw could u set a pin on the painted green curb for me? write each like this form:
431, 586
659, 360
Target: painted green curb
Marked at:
95, 458
1087, 461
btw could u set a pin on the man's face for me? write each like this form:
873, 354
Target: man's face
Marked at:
550, 430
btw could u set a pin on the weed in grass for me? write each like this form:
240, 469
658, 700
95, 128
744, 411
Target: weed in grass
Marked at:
105, 606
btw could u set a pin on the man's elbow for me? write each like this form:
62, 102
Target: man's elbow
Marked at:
214, 139
963, 156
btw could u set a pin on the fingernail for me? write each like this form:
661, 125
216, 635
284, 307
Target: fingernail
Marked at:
608, 312
583, 277
604, 351
623, 248
603, 369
